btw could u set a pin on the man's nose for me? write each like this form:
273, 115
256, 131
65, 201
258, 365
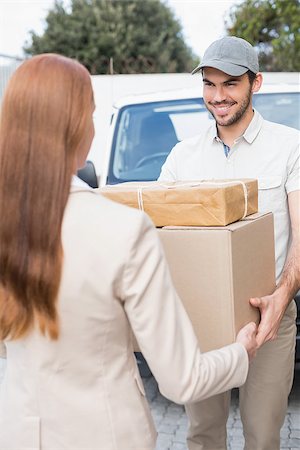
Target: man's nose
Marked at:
219, 94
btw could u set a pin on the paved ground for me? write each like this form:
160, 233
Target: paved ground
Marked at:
171, 421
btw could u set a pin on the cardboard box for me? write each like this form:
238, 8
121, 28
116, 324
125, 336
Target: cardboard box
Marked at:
192, 203
217, 270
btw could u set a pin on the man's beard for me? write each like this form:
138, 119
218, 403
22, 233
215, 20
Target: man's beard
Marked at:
237, 116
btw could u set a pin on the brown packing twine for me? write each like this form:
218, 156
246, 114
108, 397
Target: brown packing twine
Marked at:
166, 186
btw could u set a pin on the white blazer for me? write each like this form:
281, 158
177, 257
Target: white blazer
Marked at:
83, 391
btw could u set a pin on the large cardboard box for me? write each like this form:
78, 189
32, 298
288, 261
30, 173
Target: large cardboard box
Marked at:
189, 203
216, 271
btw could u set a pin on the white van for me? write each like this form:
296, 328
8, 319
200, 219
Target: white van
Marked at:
144, 129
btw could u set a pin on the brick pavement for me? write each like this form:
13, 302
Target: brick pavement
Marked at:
171, 421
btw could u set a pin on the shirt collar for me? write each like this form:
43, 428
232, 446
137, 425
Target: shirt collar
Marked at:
249, 134
253, 128
213, 132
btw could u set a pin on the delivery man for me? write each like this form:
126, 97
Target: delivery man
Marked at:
241, 144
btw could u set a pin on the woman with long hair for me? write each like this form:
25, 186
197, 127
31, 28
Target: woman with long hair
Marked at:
77, 272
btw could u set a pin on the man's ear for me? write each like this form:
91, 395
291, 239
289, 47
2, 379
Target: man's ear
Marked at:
257, 82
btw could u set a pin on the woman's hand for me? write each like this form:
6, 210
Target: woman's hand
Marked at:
247, 337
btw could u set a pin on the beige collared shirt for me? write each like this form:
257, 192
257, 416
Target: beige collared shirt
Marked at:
266, 151
79, 183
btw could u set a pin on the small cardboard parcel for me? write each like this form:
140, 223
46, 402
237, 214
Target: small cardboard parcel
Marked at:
217, 269
191, 203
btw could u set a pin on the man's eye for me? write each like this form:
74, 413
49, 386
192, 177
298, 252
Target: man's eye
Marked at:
231, 83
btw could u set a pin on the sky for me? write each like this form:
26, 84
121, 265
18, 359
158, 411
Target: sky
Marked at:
202, 21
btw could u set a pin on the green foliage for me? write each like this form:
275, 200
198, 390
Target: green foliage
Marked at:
273, 26
137, 36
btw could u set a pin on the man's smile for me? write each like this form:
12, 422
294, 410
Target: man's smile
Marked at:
222, 108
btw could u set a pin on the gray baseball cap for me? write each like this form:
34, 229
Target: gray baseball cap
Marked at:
231, 55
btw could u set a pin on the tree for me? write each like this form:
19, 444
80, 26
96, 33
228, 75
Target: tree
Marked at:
273, 26
134, 36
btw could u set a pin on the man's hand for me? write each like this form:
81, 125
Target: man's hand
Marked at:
271, 311
246, 337
272, 307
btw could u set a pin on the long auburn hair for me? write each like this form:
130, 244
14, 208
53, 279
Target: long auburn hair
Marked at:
44, 117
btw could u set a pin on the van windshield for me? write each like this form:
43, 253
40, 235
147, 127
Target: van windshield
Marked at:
146, 133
